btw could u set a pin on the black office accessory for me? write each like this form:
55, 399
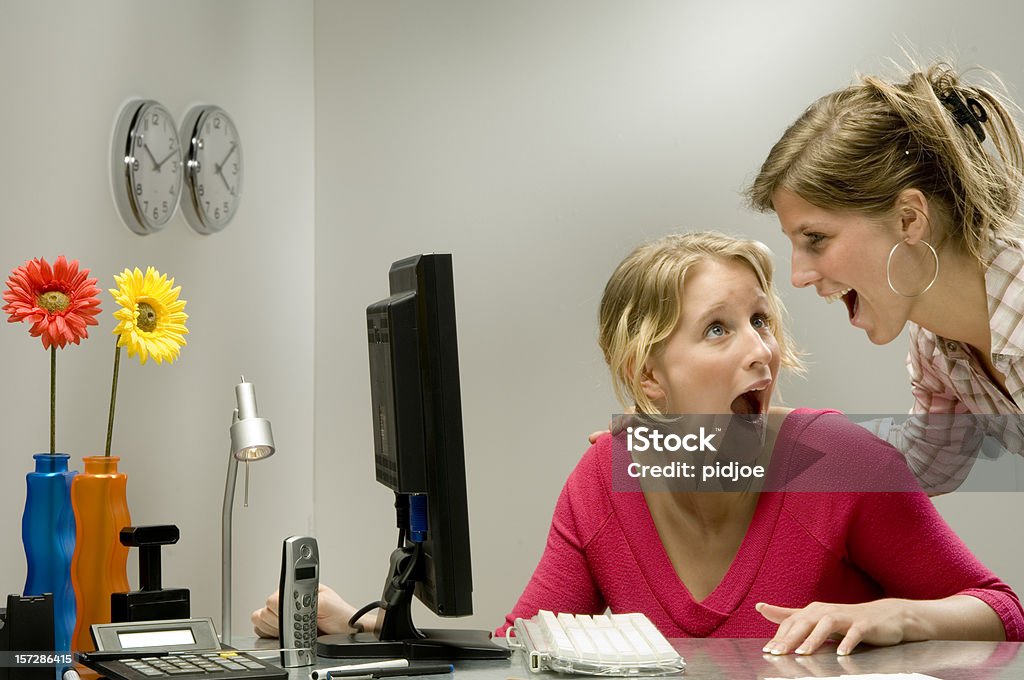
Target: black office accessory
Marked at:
357, 668
151, 602
185, 649
297, 599
418, 453
423, 669
27, 627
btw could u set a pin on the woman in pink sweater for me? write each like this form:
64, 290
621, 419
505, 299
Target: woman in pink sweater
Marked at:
691, 324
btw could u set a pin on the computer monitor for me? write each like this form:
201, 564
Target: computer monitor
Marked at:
418, 454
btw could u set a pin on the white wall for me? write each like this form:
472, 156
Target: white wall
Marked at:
66, 68
538, 142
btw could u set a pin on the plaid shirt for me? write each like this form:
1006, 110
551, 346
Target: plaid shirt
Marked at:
955, 403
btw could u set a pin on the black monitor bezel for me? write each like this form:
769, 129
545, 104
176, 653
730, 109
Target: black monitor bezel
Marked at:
417, 411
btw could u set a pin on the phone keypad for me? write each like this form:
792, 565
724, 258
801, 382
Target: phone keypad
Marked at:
305, 619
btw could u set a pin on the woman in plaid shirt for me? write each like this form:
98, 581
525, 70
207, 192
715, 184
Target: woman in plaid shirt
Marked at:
901, 200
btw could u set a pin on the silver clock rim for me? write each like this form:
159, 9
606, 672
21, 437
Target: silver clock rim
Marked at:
190, 207
121, 173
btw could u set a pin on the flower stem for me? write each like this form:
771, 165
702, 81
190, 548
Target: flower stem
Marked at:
113, 398
53, 399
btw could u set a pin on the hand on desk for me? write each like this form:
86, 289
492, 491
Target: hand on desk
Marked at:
804, 630
884, 622
332, 615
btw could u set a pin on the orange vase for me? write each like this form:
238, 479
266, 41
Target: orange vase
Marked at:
99, 565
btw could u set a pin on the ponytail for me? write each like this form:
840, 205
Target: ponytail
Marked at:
859, 147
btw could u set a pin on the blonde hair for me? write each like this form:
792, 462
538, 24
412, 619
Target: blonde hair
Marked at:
859, 147
642, 303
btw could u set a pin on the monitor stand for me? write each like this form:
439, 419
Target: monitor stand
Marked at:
398, 636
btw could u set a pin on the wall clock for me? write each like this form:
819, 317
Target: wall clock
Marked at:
146, 168
213, 168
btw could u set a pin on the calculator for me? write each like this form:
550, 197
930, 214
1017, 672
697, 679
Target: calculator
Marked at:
177, 649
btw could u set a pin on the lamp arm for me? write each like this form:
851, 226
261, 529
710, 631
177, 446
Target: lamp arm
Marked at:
225, 550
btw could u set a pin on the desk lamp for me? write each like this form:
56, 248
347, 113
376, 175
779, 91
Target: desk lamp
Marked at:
251, 439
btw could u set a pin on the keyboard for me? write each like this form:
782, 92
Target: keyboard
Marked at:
612, 644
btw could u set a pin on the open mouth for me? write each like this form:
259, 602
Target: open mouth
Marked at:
850, 299
749, 403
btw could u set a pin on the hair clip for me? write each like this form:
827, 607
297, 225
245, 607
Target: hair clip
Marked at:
966, 111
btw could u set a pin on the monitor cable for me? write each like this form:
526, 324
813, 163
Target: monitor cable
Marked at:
396, 585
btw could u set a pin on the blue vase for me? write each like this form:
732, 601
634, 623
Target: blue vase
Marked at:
48, 532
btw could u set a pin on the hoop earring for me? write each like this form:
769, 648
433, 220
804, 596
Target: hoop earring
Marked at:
888, 270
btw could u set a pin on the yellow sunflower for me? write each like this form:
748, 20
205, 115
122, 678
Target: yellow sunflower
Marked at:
151, 320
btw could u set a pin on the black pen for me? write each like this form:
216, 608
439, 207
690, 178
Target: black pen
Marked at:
425, 669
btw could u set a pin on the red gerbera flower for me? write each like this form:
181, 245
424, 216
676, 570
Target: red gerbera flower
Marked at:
59, 301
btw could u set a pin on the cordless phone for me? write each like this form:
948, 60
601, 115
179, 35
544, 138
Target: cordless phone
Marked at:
300, 577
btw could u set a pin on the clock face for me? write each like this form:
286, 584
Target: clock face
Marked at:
214, 169
147, 166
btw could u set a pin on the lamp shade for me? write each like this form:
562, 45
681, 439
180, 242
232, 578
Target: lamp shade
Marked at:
251, 438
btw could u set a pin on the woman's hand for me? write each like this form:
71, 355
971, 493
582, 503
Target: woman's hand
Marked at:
618, 423
802, 631
882, 622
332, 615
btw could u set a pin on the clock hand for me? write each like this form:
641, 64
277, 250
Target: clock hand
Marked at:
166, 158
225, 180
218, 168
156, 166
230, 151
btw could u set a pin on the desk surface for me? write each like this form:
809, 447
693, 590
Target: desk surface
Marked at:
742, 658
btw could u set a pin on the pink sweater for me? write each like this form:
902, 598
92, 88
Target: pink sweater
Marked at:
603, 550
